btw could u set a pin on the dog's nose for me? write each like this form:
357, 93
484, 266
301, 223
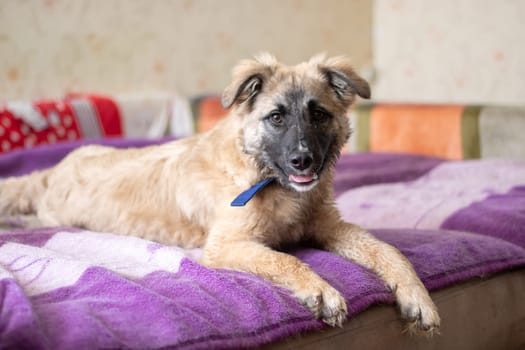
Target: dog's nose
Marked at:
301, 160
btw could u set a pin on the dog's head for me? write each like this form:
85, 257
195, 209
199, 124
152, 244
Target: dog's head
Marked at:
294, 118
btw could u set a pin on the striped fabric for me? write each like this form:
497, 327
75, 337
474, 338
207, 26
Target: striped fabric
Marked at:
448, 131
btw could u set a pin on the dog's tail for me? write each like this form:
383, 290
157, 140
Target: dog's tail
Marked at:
21, 195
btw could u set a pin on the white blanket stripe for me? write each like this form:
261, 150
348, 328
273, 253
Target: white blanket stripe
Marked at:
66, 256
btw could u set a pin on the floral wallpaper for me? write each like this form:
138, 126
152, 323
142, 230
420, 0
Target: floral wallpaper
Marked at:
48, 47
467, 51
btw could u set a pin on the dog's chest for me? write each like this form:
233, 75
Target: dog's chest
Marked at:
283, 218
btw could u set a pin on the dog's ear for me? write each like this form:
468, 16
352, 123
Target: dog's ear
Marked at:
248, 78
343, 79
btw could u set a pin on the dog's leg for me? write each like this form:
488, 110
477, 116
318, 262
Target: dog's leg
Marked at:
21, 195
391, 266
282, 269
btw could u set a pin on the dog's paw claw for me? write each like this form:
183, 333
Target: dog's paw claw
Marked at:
327, 305
420, 312
418, 323
313, 302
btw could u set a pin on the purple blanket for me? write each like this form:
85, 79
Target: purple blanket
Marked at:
65, 288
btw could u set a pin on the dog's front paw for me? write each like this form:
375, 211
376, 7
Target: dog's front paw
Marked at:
418, 309
326, 304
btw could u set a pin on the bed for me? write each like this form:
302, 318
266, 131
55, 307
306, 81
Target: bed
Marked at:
460, 222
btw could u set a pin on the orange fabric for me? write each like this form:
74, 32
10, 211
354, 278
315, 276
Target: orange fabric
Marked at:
210, 112
428, 130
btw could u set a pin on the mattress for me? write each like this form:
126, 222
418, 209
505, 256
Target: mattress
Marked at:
460, 223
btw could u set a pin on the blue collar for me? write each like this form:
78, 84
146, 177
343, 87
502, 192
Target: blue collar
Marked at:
245, 196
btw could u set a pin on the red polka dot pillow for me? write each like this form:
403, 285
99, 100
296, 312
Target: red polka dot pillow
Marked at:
29, 124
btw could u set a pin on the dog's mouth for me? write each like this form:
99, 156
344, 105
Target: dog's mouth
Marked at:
303, 179
303, 183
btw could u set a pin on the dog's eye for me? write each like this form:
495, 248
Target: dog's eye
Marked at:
320, 116
276, 118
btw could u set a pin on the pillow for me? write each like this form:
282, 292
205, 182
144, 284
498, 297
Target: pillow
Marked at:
25, 124
447, 131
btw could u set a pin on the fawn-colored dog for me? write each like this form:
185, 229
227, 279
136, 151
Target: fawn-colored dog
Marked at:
286, 128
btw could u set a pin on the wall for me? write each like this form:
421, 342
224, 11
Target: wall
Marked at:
49, 47
464, 51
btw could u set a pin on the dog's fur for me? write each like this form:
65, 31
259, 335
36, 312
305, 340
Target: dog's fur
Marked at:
287, 123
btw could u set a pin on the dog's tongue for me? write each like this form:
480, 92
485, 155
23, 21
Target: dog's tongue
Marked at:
302, 178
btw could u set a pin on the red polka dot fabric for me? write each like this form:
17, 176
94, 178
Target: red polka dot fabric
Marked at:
30, 124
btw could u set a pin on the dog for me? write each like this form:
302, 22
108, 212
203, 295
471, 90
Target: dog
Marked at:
273, 155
